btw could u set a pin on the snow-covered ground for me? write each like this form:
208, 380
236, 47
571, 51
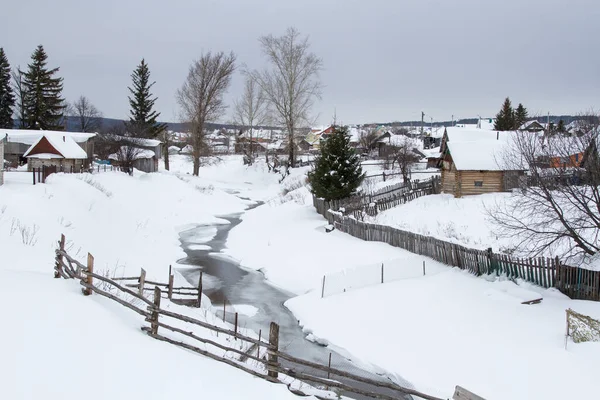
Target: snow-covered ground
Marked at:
458, 220
445, 329
60, 344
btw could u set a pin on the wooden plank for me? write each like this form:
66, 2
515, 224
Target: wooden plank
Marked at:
272, 352
89, 279
461, 393
534, 301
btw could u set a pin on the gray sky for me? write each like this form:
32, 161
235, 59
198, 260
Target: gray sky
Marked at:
384, 60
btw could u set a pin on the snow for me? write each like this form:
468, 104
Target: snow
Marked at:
31, 136
126, 222
65, 145
452, 328
459, 220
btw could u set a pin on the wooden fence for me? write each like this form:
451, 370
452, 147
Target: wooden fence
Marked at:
575, 282
373, 203
258, 357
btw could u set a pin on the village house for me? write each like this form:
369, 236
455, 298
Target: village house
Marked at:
472, 162
532, 126
18, 141
60, 152
145, 153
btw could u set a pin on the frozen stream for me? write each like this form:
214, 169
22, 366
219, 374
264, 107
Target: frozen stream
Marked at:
256, 300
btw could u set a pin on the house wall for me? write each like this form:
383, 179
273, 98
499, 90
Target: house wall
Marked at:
491, 182
448, 181
62, 164
146, 164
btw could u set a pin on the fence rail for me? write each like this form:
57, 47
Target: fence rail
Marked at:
258, 357
575, 282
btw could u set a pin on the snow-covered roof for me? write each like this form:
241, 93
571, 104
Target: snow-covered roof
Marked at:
65, 145
27, 136
257, 134
138, 141
486, 124
479, 149
140, 154
528, 124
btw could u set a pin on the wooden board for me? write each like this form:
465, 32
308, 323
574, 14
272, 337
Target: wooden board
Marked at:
461, 393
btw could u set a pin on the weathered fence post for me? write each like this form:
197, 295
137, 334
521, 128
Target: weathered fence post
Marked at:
59, 257
258, 346
142, 282
34, 176
154, 316
170, 286
89, 279
423, 267
274, 348
235, 326
329, 367
383, 175
323, 288
200, 290
381, 272
224, 310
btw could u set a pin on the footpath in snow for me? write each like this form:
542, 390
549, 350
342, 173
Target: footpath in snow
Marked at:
440, 330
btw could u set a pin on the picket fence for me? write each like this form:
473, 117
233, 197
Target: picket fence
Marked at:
575, 282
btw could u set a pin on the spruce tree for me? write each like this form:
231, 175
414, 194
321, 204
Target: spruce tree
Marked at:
7, 97
505, 119
521, 116
561, 126
142, 122
337, 172
44, 106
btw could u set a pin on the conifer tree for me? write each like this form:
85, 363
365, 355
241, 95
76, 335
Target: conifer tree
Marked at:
142, 122
43, 104
7, 97
561, 126
521, 116
505, 119
337, 172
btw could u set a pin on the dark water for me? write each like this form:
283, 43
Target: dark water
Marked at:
225, 282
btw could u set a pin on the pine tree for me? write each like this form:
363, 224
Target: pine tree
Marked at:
337, 172
505, 119
7, 97
521, 116
142, 122
44, 106
561, 126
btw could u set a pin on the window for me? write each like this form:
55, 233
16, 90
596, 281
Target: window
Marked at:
478, 183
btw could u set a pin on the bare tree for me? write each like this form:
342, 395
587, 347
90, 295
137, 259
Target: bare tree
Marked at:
403, 155
201, 96
20, 92
250, 110
292, 82
557, 209
367, 139
89, 119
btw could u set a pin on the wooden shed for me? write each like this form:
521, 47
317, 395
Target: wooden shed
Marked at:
471, 167
60, 152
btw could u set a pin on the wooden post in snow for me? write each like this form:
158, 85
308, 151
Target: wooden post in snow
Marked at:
200, 290
154, 316
59, 257
89, 279
274, 342
142, 282
170, 286
235, 326
381, 272
323, 288
423, 267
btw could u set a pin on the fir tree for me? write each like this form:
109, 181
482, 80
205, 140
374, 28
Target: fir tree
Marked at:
43, 104
505, 119
521, 116
337, 172
7, 97
561, 127
142, 122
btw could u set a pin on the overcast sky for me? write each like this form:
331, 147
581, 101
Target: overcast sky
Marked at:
384, 60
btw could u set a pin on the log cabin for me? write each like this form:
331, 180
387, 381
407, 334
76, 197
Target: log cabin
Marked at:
472, 162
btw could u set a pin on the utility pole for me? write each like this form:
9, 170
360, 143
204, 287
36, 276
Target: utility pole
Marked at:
422, 121
452, 123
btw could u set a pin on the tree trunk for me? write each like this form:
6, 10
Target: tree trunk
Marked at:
166, 150
291, 153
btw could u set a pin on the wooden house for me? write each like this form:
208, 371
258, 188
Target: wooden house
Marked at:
472, 162
532, 126
60, 152
18, 141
